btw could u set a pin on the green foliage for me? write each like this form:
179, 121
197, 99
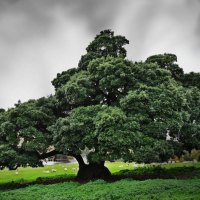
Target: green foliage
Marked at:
77, 91
2, 110
104, 130
192, 79
190, 131
167, 61
105, 44
150, 74
163, 60
24, 134
158, 110
63, 78
111, 75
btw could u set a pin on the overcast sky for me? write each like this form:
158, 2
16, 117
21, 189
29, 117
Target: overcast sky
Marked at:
39, 38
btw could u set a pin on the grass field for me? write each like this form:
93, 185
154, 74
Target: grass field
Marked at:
126, 189
31, 174
68, 170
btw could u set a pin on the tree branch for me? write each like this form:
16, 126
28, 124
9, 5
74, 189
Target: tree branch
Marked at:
48, 154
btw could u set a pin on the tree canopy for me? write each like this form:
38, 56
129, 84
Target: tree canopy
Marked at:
111, 106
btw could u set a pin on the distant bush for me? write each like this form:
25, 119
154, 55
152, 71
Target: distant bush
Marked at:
151, 172
194, 155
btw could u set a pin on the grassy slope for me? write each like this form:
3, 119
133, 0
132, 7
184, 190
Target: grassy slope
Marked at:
124, 189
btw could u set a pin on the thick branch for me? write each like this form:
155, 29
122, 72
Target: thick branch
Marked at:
48, 154
79, 160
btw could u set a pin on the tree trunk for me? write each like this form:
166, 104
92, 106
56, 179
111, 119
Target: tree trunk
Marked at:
92, 171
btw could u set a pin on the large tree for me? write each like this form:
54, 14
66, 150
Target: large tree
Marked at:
111, 107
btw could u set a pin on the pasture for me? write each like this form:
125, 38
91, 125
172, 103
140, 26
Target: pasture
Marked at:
70, 170
50, 171
125, 189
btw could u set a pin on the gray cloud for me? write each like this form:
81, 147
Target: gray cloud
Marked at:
43, 37
95, 13
23, 20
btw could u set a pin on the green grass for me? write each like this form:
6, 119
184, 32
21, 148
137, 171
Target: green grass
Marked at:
97, 190
30, 174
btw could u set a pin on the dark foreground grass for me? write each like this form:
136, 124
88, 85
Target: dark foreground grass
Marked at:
97, 190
